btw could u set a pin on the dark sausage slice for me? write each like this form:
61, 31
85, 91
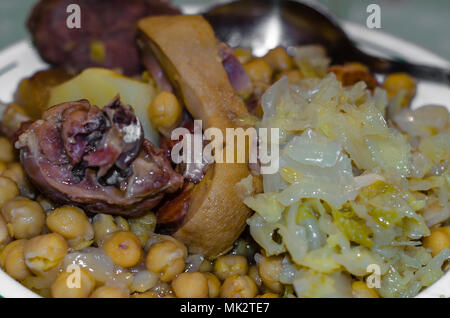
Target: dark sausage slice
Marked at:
189, 54
106, 37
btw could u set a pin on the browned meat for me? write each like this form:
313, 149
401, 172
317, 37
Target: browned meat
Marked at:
155, 70
239, 79
106, 37
33, 93
188, 52
96, 158
352, 73
216, 215
171, 214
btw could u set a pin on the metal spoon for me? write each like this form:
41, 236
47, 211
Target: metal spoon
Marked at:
264, 24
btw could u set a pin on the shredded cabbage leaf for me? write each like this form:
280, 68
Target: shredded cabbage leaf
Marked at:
353, 188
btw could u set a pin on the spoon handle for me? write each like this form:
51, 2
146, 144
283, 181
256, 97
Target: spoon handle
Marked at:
425, 72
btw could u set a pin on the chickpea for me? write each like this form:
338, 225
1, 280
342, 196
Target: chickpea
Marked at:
14, 260
42, 283
213, 285
293, 76
8, 190
206, 266
166, 259
165, 111
243, 55
109, 292
72, 223
6, 150
238, 286
14, 115
64, 286
445, 229
4, 235
397, 82
45, 203
45, 252
143, 226
5, 251
149, 294
438, 240
253, 272
124, 248
2, 167
244, 248
122, 224
279, 60
15, 173
361, 290
268, 295
269, 271
25, 218
143, 281
228, 265
162, 289
259, 71
191, 285
44, 292
103, 225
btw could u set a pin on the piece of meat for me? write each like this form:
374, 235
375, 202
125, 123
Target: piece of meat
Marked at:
171, 214
96, 158
155, 70
33, 93
236, 73
106, 37
352, 73
216, 216
188, 52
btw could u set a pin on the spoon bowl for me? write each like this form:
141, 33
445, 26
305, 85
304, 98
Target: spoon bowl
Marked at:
265, 24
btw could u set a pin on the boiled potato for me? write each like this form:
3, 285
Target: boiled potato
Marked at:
99, 86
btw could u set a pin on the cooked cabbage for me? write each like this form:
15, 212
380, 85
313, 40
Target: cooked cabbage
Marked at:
352, 190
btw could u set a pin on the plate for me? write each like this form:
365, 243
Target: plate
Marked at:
21, 60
